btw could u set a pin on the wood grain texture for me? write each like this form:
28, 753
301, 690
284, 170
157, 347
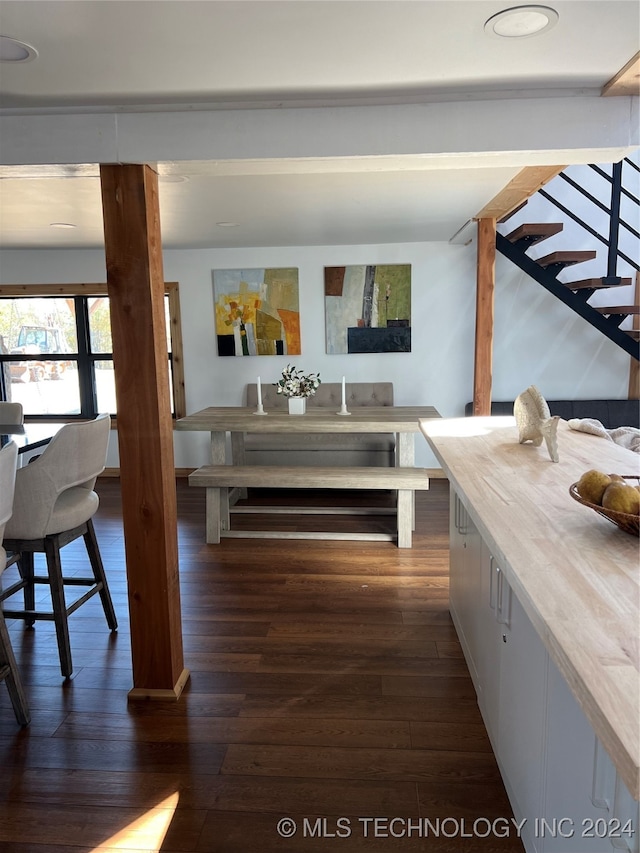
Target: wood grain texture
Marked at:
135, 285
288, 711
576, 575
219, 479
235, 827
177, 361
626, 81
298, 477
527, 182
485, 287
362, 420
399, 765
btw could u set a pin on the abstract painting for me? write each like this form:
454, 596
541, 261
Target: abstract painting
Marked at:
257, 311
368, 308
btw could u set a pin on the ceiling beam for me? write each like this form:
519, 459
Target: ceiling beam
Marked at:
527, 182
626, 81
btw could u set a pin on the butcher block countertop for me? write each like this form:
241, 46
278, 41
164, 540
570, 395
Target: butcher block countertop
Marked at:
576, 575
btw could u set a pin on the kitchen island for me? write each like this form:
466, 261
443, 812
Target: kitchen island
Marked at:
545, 597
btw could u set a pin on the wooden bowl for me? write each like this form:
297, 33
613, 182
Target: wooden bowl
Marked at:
624, 520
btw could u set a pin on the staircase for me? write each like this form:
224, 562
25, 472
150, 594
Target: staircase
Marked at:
576, 294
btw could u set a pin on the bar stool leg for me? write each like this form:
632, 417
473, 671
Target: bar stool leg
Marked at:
97, 567
54, 567
26, 569
12, 677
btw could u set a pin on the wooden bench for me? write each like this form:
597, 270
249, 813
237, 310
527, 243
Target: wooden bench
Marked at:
219, 479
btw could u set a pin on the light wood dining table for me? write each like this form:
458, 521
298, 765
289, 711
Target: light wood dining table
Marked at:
403, 421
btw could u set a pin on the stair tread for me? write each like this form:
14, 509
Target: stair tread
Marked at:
537, 231
608, 320
594, 283
566, 258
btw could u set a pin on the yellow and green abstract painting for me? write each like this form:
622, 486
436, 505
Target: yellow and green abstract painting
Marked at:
257, 311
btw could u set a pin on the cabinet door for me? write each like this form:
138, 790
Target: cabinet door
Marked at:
472, 550
456, 555
626, 812
587, 808
464, 580
523, 689
488, 646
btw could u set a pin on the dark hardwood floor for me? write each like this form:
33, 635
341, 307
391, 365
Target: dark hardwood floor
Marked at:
327, 687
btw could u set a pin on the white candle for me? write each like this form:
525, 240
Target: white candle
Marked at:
344, 393
259, 393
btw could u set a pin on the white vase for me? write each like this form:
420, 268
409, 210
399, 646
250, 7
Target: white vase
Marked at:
297, 405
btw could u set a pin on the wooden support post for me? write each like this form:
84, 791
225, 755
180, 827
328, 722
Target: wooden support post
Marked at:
485, 287
634, 365
135, 284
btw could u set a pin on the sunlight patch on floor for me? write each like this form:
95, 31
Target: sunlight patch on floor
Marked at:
146, 834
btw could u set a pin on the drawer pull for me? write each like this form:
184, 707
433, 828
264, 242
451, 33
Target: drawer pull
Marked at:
503, 609
492, 584
604, 779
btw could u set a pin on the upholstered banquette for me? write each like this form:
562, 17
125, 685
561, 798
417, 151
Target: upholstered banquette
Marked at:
316, 448
611, 413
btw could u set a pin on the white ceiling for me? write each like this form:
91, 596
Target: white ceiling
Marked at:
138, 55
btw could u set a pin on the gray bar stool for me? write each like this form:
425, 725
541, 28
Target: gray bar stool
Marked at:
54, 504
11, 413
8, 668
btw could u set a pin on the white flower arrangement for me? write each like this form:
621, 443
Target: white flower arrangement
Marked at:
295, 384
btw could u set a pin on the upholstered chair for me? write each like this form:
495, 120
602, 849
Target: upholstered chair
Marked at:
8, 668
11, 413
54, 504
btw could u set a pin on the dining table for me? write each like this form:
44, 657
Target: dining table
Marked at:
402, 421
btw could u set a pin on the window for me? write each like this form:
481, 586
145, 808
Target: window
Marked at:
56, 351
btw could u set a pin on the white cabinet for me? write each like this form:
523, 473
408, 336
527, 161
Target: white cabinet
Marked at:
464, 579
556, 774
489, 639
587, 808
626, 811
511, 662
523, 681
505, 657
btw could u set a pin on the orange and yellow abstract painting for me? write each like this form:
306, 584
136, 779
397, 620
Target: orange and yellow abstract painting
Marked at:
257, 311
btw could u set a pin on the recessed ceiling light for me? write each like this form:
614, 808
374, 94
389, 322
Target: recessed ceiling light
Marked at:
227, 224
521, 22
12, 50
61, 225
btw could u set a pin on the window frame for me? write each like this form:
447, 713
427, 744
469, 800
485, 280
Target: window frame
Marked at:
88, 290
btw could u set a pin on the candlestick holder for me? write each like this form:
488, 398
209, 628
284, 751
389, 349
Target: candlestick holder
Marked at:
343, 410
260, 410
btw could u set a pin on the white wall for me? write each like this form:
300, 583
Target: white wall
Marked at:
538, 340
